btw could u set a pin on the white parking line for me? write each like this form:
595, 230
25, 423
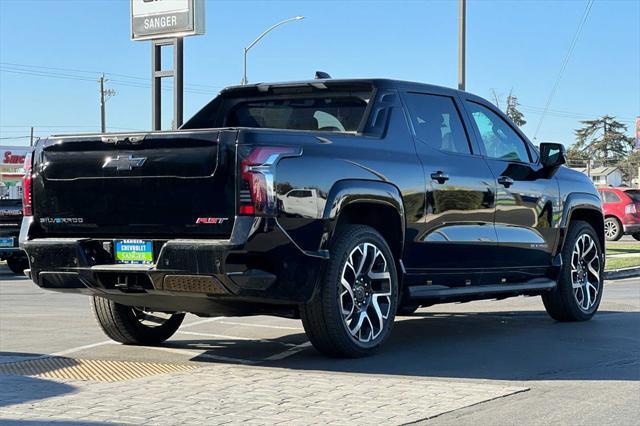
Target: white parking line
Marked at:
291, 351
81, 348
277, 327
225, 336
202, 355
204, 321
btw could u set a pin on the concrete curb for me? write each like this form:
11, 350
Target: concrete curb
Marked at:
617, 274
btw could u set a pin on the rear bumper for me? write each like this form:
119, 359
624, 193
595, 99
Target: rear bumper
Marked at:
259, 265
631, 228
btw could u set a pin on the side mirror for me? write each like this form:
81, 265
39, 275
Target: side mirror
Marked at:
552, 155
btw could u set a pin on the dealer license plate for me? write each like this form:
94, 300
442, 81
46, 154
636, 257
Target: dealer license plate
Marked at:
6, 242
134, 251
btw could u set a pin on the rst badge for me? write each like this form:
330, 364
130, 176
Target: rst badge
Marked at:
211, 220
123, 163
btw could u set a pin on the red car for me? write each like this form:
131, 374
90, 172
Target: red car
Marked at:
621, 208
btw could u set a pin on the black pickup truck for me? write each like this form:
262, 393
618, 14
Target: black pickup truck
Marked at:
340, 202
10, 221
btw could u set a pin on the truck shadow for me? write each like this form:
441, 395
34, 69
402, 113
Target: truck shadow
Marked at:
17, 388
494, 345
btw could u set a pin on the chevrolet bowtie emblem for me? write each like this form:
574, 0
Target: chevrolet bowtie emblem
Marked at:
123, 163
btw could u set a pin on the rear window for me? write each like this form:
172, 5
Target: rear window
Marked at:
324, 114
634, 194
334, 109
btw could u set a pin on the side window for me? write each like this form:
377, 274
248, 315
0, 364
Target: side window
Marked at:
610, 197
499, 139
299, 193
437, 123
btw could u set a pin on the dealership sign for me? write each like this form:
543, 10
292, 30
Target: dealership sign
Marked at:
13, 155
151, 19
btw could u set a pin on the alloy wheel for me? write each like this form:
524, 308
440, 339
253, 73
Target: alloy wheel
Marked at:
585, 272
365, 292
610, 229
151, 319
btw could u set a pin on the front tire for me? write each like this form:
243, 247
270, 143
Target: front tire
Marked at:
579, 290
612, 229
134, 326
636, 236
352, 313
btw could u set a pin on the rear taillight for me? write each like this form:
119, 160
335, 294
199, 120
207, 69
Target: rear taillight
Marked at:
257, 187
27, 198
630, 209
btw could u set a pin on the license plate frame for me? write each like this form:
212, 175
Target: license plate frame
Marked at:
133, 252
7, 242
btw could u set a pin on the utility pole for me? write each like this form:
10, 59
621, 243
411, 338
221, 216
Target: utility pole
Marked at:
104, 96
31, 138
462, 30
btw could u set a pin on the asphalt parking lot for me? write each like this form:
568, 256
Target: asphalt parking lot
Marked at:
489, 362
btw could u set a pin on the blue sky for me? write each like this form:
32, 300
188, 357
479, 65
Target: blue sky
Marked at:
512, 45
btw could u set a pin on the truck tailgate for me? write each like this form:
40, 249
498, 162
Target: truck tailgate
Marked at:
156, 184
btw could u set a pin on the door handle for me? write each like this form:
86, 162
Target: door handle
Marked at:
505, 181
440, 176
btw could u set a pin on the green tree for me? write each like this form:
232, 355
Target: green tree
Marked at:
513, 112
604, 140
577, 157
630, 165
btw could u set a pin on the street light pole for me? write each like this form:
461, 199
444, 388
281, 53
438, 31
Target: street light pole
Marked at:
253, 43
462, 43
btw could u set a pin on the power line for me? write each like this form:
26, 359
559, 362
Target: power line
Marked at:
15, 67
15, 137
564, 63
116, 82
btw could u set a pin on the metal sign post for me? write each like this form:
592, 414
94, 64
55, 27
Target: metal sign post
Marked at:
166, 23
157, 74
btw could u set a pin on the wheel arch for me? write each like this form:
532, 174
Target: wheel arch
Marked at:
585, 207
374, 203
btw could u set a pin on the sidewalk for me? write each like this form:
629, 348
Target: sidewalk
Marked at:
237, 394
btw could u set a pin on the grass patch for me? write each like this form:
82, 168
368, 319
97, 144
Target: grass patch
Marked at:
621, 262
618, 250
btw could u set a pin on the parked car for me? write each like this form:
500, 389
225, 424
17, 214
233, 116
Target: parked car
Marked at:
10, 221
621, 211
409, 195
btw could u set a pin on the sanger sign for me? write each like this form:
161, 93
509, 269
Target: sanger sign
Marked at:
166, 18
13, 155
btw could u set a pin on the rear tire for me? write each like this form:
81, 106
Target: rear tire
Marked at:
579, 290
18, 264
352, 313
612, 229
636, 236
134, 326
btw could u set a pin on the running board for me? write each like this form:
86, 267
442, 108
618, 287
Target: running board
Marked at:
443, 292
